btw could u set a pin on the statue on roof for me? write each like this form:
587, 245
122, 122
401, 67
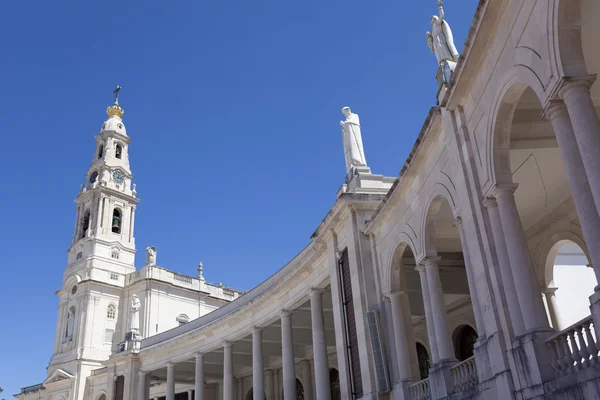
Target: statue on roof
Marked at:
151, 256
134, 320
352, 139
440, 39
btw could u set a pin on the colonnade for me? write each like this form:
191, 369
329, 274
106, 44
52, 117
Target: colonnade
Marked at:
263, 381
577, 129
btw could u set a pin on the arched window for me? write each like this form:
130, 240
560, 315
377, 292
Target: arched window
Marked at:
182, 319
464, 341
424, 362
100, 151
70, 323
118, 150
334, 383
111, 311
85, 223
116, 221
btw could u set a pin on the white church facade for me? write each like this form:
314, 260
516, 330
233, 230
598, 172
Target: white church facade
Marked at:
439, 283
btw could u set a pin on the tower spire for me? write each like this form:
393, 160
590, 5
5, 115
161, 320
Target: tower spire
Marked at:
115, 110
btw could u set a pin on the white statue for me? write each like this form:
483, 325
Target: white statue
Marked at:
353, 146
151, 256
70, 323
134, 321
440, 39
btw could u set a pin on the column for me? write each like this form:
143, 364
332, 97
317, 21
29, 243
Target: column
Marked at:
240, 388
170, 381
526, 285
287, 350
258, 381
228, 371
308, 384
578, 181
586, 126
549, 294
438, 309
321, 361
508, 281
428, 314
403, 350
472, 282
189, 393
199, 382
143, 387
269, 383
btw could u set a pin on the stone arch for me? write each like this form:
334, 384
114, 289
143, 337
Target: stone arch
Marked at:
437, 195
566, 22
516, 80
101, 395
462, 334
392, 274
548, 254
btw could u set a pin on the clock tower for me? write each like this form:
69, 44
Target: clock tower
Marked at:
106, 203
92, 312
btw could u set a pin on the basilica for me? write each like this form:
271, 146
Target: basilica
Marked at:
473, 274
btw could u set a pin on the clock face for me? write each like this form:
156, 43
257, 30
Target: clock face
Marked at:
93, 176
117, 177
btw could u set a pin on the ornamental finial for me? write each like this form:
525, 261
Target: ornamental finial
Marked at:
115, 109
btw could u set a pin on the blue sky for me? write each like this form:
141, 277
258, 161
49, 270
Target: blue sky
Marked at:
233, 109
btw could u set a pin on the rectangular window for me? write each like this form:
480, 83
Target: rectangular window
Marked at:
114, 277
108, 335
350, 324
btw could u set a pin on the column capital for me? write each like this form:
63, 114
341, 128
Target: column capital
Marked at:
315, 292
554, 108
256, 330
489, 203
199, 355
394, 294
550, 290
142, 373
571, 84
227, 345
170, 365
429, 260
285, 314
420, 268
506, 189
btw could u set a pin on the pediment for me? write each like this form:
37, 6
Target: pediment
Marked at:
58, 376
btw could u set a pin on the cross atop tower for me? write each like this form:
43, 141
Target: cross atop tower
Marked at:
116, 93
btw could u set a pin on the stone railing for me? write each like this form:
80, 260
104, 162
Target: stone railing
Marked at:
183, 278
420, 390
574, 348
465, 374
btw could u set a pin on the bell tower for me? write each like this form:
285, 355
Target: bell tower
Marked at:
106, 203
102, 251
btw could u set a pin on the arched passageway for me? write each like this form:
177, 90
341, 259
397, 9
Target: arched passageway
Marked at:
570, 283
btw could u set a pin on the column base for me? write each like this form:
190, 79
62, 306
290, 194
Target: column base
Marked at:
441, 382
533, 363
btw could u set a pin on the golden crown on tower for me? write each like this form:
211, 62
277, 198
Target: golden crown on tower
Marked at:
115, 110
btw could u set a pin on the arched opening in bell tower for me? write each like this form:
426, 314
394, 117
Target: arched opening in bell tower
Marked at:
116, 221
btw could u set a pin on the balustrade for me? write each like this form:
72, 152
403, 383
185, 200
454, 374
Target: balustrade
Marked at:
465, 374
574, 348
420, 390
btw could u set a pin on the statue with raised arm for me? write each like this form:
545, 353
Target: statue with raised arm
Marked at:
151, 256
440, 39
134, 321
352, 139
